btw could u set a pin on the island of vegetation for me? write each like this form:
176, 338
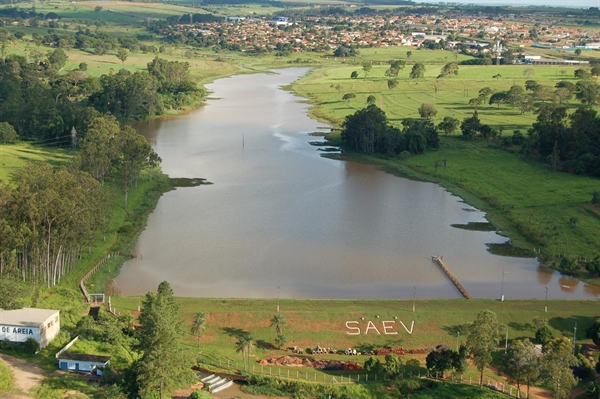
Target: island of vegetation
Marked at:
498, 104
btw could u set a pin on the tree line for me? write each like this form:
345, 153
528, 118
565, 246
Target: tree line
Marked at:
49, 215
368, 131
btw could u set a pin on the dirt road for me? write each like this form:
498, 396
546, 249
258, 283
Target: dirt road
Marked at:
26, 376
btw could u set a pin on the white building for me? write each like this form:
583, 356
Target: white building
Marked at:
19, 325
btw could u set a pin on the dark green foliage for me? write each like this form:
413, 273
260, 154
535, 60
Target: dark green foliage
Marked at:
417, 71
470, 126
11, 293
569, 265
163, 365
440, 360
593, 332
392, 366
543, 335
345, 51
593, 266
367, 130
448, 125
31, 346
8, 135
484, 334
372, 365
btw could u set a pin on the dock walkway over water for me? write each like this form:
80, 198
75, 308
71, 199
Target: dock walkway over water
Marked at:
452, 277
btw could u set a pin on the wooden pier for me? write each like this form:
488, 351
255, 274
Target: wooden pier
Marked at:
457, 284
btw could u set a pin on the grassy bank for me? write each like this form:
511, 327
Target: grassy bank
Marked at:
323, 322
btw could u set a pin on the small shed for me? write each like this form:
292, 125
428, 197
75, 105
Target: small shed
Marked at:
83, 363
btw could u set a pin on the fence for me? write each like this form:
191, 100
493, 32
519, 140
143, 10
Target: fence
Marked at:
308, 376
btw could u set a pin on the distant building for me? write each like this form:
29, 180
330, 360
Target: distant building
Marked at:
83, 363
19, 325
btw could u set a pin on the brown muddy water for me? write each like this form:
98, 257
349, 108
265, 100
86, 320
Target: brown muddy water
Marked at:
280, 215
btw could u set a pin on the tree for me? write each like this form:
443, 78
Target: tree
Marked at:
245, 345
57, 58
371, 99
391, 83
569, 265
280, 341
497, 98
449, 69
476, 102
577, 51
470, 126
427, 110
440, 360
582, 73
484, 334
484, 93
497, 76
588, 92
418, 71
556, 367
348, 96
408, 54
278, 321
199, 325
595, 71
163, 365
122, 54
531, 85
521, 364
367, 66
515, 95
593, 331
393, 366
372, 365
448, 125
543, 335
354, 75
8, 134
11, 293
134, 156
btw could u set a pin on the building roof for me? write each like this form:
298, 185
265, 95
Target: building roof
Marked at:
26, 317
84, 358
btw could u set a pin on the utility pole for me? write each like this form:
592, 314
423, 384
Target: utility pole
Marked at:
414, 297
502, 289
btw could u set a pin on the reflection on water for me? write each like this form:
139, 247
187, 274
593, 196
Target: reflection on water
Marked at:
278, 214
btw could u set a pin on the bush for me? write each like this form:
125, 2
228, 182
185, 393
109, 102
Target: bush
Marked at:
31, 346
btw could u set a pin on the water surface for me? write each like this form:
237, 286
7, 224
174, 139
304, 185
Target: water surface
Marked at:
280, 215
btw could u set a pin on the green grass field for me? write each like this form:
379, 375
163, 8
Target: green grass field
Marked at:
326, 87
6, 378
13, 157
323, 322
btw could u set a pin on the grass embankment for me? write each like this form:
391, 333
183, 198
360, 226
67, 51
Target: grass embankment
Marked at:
323, 322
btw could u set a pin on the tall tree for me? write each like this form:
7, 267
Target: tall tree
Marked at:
417, 71
199, 325
556, 367
521, 364
484, 334
245, 345
163, 364
278, 321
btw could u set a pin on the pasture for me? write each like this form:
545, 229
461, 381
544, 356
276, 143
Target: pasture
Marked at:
326, 87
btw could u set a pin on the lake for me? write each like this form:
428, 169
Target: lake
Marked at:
281, 215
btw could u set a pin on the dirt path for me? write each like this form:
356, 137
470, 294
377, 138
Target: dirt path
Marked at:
26, 375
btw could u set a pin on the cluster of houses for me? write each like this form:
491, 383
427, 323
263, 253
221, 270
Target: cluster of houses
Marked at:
43, 325
314, 33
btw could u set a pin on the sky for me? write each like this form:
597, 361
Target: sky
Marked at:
552, 3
